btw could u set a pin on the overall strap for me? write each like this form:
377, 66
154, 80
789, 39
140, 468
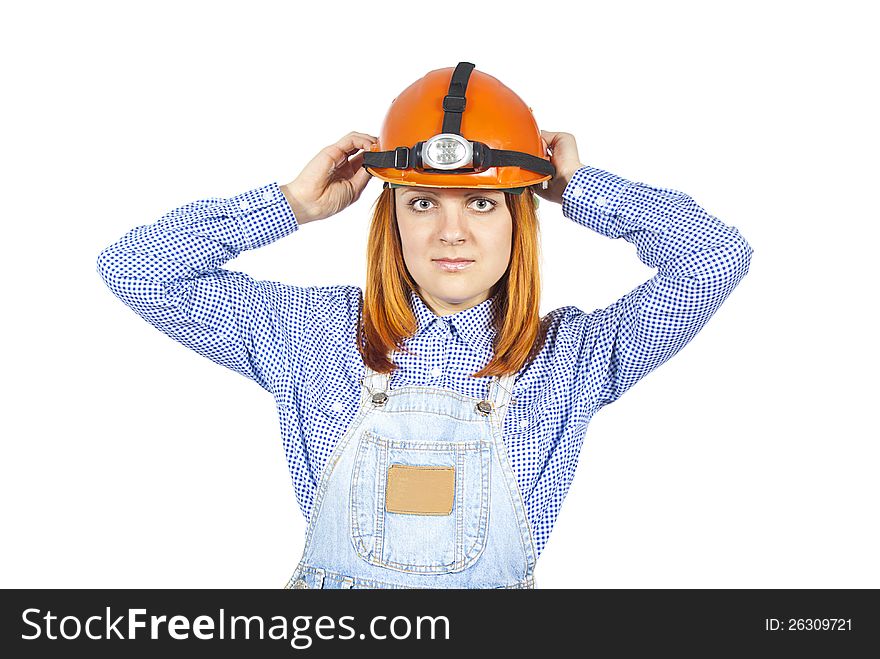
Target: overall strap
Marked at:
499, 394
501, 391
373, 381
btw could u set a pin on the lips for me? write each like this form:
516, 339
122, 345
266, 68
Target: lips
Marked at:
453, 265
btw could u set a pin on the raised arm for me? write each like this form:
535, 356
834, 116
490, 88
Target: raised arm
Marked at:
699, 261
170, 273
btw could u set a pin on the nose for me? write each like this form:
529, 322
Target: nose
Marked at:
452, 226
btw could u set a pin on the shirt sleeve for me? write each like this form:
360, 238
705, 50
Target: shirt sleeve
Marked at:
170, 274
699, 261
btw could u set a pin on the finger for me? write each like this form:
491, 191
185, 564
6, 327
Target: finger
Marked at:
349, 167
357, 162
366, 136
350, 145
549, 138
339, 154
552, 137
361, 176
355, 141
340, 158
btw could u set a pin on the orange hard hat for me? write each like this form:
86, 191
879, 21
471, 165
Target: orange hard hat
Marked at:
459, 128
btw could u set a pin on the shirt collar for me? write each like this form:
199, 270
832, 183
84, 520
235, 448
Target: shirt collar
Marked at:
475, 325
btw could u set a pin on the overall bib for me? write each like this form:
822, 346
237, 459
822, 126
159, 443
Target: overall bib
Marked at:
419, 493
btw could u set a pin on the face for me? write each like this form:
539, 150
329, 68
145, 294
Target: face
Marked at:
454, 223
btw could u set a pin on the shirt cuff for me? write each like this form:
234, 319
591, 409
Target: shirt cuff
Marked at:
263, 214
591, 198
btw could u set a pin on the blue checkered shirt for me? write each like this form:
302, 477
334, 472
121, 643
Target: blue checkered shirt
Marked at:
298, 342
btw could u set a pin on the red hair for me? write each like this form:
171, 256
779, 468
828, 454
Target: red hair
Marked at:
386, 320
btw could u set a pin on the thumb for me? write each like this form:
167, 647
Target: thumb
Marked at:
361, 176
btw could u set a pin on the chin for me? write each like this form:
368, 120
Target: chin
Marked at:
455, 293
459, 296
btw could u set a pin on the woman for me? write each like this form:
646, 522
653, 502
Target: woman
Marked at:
432, 421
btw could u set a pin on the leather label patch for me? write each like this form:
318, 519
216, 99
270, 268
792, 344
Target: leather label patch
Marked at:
418, 490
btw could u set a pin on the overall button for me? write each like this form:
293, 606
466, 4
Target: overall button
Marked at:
484, 407
380, 398
299, 583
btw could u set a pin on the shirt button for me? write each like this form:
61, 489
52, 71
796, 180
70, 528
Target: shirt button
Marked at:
244, 205
337, 406
523, 423
578, 191
268, 195
601, 201
436, 372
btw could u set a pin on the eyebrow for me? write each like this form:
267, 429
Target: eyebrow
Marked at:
474, 193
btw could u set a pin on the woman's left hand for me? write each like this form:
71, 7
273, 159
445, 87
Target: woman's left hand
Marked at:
563, 152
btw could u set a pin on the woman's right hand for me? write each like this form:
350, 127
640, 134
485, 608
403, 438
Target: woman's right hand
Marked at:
331, 181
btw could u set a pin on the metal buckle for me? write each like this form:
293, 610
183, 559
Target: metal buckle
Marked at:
401, 157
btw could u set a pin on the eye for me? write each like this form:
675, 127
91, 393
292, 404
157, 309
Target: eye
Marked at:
482, 205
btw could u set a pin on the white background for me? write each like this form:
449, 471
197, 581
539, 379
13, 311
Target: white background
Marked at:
750, 459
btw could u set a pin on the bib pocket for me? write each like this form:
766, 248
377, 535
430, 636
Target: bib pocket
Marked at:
420, 506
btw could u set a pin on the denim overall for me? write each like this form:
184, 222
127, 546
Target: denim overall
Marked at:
419, 493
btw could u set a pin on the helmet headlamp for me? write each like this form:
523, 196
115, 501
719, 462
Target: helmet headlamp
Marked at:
447, 151
454, 157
